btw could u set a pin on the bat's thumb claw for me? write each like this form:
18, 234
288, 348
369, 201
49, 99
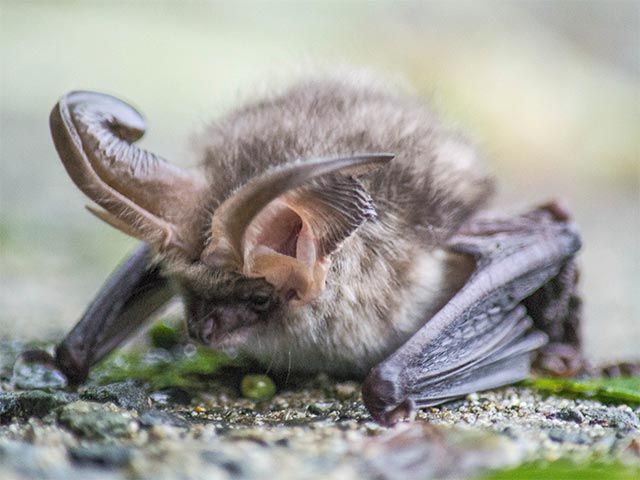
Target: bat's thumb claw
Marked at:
73, 367
559, 209
404, 411
382, 397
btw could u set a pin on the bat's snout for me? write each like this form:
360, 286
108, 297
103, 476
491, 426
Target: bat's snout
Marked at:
221, 324
205, 334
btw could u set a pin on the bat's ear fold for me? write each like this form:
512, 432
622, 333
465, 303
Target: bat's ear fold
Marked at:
290, 241
141, 194
284, 225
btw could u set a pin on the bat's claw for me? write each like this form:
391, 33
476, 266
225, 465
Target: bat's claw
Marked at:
561, 360
75, 369
406, 410
383, 399
558, 209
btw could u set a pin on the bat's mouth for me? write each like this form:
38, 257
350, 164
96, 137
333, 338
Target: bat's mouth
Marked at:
231, 341
226, 338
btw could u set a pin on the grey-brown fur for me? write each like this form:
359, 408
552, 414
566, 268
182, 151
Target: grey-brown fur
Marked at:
434, 166
390, 276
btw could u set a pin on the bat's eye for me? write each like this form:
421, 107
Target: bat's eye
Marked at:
260, 303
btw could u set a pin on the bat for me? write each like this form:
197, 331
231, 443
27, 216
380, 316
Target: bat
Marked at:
334, 226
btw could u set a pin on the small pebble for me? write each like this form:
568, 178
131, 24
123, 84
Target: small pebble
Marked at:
152, 418
345, 391
570, 415
34, 369
101, 455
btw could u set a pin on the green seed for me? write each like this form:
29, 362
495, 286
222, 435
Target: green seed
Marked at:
257, 387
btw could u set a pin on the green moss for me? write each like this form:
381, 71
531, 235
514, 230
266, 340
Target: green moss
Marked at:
161, 369
607, 390
257, 387
164, 336
566, 470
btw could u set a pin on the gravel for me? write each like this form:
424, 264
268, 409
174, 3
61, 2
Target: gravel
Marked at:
312, 429
317, 430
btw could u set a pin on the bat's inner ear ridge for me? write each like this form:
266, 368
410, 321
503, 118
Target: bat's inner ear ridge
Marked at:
277, 227
280, 246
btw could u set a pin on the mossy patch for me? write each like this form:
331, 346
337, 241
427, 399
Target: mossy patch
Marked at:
186, 367
163, 335
567, 470
168, 361
607, 390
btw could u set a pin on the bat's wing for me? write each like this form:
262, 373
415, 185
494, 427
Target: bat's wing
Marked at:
134, 291
482, 338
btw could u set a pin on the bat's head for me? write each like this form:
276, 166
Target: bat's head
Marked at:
225, 309
242, 261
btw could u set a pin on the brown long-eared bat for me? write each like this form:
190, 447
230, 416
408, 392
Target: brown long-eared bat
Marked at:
336, 226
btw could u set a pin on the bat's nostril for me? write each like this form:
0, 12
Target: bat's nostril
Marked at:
207, 331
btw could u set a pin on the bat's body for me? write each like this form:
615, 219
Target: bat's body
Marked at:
323, 265
392, 273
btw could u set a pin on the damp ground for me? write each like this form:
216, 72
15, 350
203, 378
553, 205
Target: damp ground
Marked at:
313, 428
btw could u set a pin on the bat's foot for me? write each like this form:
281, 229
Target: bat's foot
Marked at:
623, 369
561, 360
566, 360
558, 209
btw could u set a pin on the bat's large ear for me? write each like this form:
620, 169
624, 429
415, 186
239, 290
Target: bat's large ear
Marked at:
284, 225
141, 194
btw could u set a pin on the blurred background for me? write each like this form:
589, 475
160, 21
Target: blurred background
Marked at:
549, 90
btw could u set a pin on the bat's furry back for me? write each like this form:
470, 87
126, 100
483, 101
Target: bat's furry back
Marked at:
390, 276
435, 181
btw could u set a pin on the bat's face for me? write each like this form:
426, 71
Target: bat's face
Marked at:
228, 313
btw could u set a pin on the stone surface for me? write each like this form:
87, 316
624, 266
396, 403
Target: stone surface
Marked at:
171, 396
153, 418
36, 375
96, 420
33, 403
101, 455
313, 430
124, 394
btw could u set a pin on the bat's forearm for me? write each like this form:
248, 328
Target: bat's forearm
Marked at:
133, 292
